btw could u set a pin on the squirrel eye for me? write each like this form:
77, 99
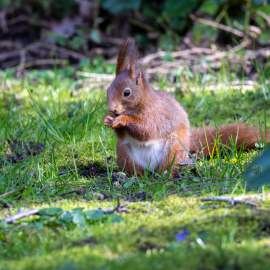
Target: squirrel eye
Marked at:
127, 93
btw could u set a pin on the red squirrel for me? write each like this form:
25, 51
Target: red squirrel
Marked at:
149, 124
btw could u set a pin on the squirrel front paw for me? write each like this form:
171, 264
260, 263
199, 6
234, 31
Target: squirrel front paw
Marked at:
108, 119
119, 121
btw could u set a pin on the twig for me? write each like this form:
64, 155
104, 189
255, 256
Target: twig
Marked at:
218, 26
264, 52
3, 21
173, 192
189, 43
149, 58
29, 20
7, 193
20, 215
241, 46
228, 199
113, 40
9, 44
265, 16
6, 55
40, 63
246, 85
14, 191
21, 193
108, 77
254, 111
62, 50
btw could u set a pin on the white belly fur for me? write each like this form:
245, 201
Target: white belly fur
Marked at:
145, 154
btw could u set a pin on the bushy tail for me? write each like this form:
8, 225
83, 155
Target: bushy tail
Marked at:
209, 140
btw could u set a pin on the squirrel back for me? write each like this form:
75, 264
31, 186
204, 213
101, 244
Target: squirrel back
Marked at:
152, 128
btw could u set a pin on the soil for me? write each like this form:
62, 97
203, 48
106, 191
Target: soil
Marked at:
17, 151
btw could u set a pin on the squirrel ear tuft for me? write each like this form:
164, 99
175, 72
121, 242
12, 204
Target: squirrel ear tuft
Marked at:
134, 71
127, 60
123, 56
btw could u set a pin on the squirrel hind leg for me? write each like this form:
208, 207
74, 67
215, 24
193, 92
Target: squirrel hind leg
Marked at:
177, 153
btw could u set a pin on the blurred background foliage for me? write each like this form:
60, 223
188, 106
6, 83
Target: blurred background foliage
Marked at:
82, 25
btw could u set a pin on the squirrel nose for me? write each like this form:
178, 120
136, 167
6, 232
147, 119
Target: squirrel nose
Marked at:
115, 108
112, 108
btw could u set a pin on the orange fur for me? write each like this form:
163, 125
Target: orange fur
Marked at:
246, 137
149, 124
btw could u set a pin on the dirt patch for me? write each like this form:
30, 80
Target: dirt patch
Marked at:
17, 151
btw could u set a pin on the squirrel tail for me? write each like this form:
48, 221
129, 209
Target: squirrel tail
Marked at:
209, 139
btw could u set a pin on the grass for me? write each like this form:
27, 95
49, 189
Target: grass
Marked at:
65, 113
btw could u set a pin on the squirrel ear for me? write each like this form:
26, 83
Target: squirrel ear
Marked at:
135, 73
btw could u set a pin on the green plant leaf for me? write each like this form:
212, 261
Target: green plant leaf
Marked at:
67, 216
203, 30
94, 214
77, 42
129, 183
3, 224
52, 211
116, 218
98, 61
79, 219
84, 63
78, 209
175, 8
95, 36
19, 133
209, 7
39, 225
59, 39
119, 6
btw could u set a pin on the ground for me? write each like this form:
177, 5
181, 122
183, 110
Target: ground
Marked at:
56, 154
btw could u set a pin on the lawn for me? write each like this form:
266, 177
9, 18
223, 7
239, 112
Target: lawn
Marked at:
56, 155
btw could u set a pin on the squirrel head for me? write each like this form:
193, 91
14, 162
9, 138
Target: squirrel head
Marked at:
127, 91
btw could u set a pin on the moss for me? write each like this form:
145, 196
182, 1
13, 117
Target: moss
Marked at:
147, 238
